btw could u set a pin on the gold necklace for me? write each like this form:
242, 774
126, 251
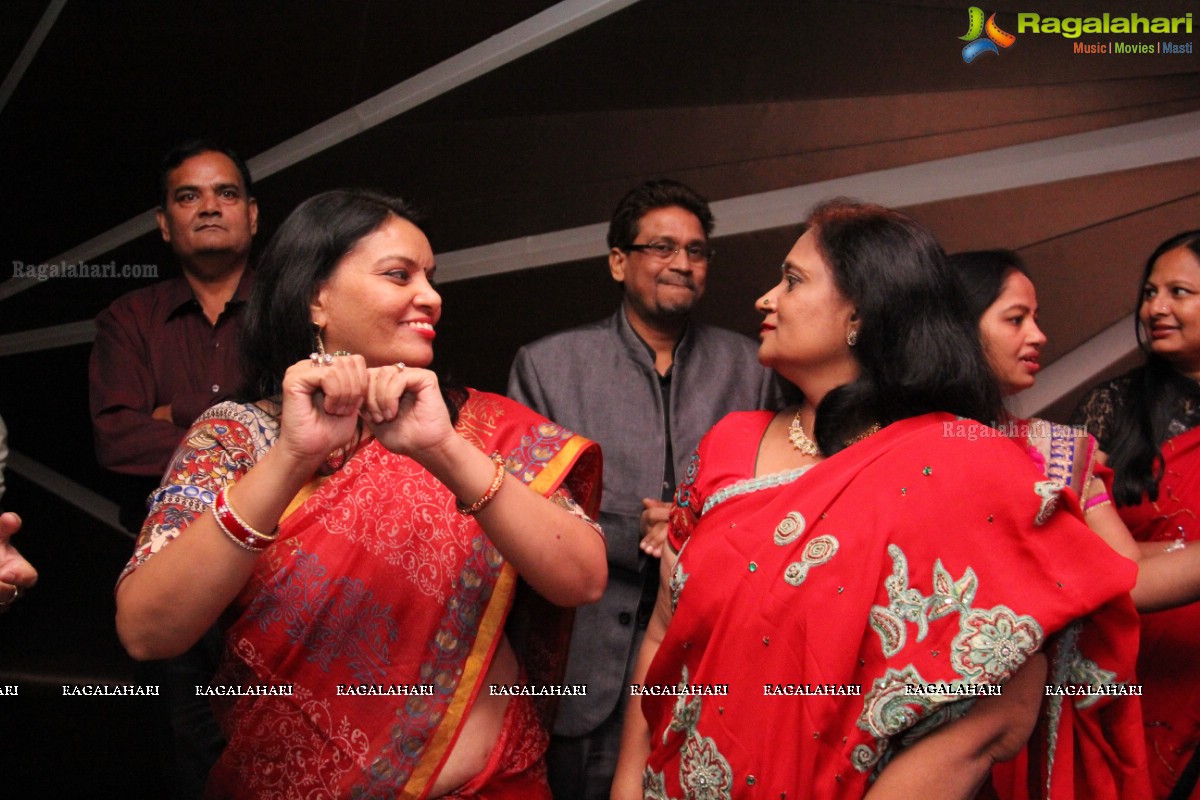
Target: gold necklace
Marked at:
799, 438
871, 431
807, 447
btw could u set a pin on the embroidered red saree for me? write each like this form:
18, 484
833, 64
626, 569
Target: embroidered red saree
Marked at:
1084, 747
821, 598
1169, 663
376, 581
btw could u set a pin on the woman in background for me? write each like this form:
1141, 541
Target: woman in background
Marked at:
854, 569
1002, 297
1148, 422
349, 529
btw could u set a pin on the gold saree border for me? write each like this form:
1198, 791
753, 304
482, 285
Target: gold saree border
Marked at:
491, 626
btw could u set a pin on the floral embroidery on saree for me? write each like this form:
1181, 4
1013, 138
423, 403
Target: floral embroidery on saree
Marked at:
332, 621
1049, 492
990, 641
685, 495
889, 710
678, 579
991, 644
654, 785
322, 746
704, 774
1083, 671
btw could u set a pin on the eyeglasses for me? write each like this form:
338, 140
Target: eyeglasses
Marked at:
696, 253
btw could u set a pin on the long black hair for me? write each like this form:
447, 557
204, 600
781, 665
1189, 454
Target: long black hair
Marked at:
277, 328
1156, 389
918, 347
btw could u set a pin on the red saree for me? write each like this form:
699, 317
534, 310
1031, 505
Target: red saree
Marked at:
918, 556
1086, 747
376, 581
1170, 654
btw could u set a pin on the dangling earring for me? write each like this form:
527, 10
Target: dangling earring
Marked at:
320, 341
320, 358
852, 338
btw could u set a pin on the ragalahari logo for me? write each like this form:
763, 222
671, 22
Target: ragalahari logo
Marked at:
996, 38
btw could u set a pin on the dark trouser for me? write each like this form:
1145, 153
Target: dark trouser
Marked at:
582, 767
196, 741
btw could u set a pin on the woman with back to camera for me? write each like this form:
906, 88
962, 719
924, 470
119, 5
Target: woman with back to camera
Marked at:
1148, 422
351, 532
875, 538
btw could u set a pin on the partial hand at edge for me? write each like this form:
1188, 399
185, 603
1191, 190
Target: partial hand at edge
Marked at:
15, 571
654, 526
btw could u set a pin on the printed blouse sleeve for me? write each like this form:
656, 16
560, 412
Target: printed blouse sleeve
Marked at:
217, 452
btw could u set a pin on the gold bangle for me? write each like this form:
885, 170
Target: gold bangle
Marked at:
490, 494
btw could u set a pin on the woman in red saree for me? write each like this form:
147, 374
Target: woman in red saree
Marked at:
360, 547
1147, 421
1003, 298
841, 612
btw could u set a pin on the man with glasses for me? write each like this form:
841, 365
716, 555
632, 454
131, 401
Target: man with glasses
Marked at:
646, 383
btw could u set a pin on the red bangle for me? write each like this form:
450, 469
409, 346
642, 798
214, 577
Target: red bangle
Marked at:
490, 494
236, 528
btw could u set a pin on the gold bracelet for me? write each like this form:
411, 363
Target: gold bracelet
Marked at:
490, 494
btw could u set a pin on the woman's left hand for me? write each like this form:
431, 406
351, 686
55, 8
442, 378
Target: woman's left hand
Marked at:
405, 410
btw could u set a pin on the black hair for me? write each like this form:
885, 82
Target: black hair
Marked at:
918, 348
661, 193
277, 327
1141, 424
194, 147
185, 150
982, 274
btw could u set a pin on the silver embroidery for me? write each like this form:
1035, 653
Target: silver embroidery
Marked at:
789, 529
817, 552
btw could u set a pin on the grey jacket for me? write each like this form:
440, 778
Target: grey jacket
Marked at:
599, 381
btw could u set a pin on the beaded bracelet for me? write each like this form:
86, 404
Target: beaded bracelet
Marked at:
236, 528
490, 494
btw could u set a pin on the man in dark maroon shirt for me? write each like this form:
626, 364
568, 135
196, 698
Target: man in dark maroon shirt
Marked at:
164, 354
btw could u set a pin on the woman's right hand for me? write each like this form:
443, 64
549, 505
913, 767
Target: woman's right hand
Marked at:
320, 407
